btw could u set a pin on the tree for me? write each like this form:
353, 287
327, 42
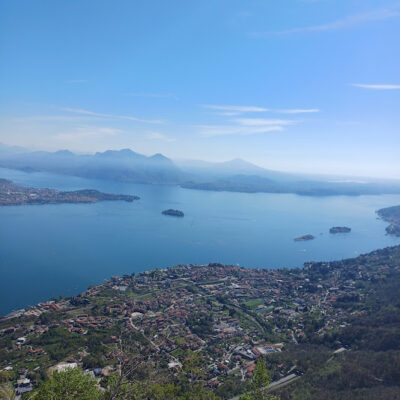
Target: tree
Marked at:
67, 385
192, 366
170, 391
163, 392
259, 383
7, 391
131, 356
119, 388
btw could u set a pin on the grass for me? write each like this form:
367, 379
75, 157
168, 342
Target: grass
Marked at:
254, 303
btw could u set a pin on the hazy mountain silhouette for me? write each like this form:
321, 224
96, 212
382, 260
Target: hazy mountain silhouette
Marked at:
236, 175
122, 165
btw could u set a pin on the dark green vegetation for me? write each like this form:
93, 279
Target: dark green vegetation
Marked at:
304, 238
69, 384
339, 229
392, 215
326, 331
369, 365
173, 213
14, 195
74, 384
259, 383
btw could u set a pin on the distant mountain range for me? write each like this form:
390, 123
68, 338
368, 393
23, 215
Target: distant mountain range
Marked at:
236, 175
123, 165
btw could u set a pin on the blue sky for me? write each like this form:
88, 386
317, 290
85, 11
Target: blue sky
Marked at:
295, 85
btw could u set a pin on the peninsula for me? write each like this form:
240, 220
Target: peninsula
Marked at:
391, 215
173, 213
15, 195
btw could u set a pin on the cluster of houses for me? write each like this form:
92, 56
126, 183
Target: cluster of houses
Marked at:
81, 323
220, 312
36, 310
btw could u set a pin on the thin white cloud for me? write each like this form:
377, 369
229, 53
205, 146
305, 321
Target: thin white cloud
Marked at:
228, 113
51, 118
159, 136
262, 122
223, 130
234, 110
237, 110
248, 125
298, 111
109, 116
343, 23
377, 86
82, 132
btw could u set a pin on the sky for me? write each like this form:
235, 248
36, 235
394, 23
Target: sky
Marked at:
294, 85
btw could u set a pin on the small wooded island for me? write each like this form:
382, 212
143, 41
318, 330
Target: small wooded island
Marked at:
340, 229
173, 213
304, 238
15, 195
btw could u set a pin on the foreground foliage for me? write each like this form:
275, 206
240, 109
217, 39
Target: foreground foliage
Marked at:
259, 384
66, 385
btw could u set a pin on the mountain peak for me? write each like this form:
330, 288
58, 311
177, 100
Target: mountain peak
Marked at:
123, 153
239, 162
159, 156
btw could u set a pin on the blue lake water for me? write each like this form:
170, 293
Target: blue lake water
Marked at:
52, 250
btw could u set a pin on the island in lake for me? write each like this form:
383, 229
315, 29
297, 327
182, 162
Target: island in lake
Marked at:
173, 213
340, 229
304, 238
15, 195
391, 215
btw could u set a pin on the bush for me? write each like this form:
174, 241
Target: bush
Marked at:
67, 385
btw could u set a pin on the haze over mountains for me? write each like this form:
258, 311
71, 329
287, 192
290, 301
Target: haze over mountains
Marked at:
123, 165
236, 175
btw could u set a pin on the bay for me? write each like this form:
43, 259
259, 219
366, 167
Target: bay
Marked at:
52, 250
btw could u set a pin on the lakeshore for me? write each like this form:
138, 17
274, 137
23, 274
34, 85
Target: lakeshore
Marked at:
222, 317
78, 245
15, 195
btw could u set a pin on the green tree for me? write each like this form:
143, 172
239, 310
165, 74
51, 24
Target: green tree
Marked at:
7, 391
259, 381
192, 366
163, 392
67, 385
119, 388
6, 376
198, 392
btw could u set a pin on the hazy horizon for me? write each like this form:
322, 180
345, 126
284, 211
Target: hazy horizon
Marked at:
302, 88
191, 162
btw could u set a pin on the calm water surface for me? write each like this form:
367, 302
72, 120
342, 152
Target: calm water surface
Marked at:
52, 250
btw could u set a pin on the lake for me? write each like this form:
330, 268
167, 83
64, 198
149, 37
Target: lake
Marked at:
52, 250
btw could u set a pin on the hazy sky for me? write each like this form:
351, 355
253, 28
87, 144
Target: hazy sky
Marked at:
297, 85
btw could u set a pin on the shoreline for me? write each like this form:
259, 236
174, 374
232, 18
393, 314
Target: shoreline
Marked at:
20, 312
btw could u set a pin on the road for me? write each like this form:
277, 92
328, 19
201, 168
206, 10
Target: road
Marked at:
286, 380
